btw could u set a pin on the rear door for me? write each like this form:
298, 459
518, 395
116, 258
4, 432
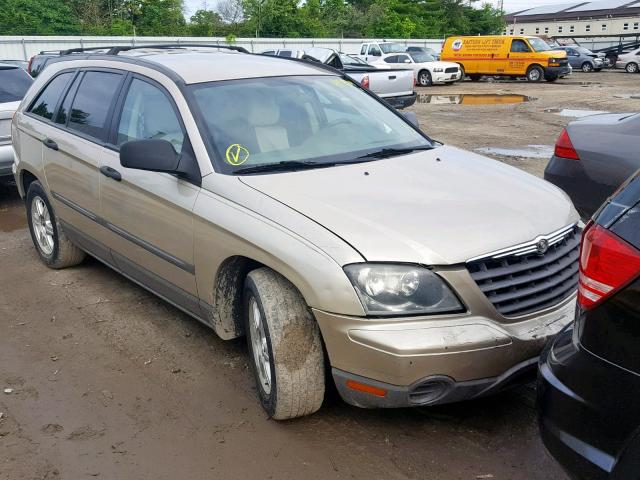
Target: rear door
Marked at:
149, 214
75, 108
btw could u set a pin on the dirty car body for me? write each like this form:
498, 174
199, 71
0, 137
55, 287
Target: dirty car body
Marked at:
286, 202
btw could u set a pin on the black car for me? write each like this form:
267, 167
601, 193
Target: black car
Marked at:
593, 156
589, 376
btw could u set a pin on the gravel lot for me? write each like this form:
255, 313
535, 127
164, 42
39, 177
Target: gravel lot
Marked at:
110, 382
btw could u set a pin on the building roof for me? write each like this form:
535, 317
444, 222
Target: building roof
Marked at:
613, 8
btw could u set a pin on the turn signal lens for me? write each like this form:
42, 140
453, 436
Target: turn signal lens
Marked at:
564, 147
607, 263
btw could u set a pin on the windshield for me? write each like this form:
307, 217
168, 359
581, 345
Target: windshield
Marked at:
347, 60
319, 119
14, 83
539, 45
421, 57
392, 48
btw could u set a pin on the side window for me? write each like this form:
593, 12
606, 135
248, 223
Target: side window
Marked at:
92, 101
404, 59
520, 46
46, 102
284, 53
392, 59
147, 113
63, 111
375, 51
363, 50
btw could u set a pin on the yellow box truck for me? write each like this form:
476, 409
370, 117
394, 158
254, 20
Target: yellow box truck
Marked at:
511, 56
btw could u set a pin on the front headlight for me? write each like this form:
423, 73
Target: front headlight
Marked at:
438, 70
387, 289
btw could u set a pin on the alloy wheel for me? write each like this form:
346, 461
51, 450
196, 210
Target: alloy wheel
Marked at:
259, 346
42, 225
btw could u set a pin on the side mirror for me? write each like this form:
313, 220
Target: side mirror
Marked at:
412, 118
152, 155
156, 155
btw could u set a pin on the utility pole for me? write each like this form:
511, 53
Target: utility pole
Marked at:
501, 5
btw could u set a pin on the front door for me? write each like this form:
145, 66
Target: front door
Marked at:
149, 214
519, 58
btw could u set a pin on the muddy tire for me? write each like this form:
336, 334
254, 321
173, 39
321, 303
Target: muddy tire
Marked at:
53, 246
535, 73
285, 348
424, 78
631, 67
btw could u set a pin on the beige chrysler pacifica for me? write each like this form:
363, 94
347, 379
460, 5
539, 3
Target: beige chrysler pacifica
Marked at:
277, 199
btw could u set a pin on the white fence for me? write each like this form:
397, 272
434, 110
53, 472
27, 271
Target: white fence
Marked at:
16, 47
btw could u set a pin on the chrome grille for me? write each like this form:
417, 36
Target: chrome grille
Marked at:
521, 280
451, 70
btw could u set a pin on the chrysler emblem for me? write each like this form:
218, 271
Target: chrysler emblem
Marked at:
542, 246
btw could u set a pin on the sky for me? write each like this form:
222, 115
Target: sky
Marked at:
509, 5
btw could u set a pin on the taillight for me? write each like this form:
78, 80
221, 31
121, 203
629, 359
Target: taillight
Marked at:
29, 66
365, 81
564, 147
607, 263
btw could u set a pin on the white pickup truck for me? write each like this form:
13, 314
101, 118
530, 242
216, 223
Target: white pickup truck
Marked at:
395, 85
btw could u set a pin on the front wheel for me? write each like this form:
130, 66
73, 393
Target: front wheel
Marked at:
535, 73
424, 78
284, 346
587, 67
632, 67
48, 236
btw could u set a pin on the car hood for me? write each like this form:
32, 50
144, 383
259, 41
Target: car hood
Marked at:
437, 207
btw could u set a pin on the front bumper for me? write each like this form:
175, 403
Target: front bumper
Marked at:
461, 356
557, 72
446, 77
6, 160
402, 102
586, 408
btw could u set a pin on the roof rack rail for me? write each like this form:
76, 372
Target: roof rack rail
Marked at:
115, 50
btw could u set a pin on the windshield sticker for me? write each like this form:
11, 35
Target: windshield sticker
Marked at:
237, 154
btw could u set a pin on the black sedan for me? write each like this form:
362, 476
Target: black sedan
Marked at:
593, 156
589, 376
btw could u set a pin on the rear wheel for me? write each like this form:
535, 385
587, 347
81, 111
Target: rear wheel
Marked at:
631, 67
475, 77
587, 67
424, 78
284, 346
53, 246
535, 73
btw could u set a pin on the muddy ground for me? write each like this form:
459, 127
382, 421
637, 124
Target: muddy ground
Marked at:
110, 382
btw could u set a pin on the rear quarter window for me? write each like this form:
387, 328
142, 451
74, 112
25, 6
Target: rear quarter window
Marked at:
14, 83
45, 104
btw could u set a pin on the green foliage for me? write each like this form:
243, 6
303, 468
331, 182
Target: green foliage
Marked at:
262, 18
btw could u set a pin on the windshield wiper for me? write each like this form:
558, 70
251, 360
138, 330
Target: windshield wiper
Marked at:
281, 167
394, 152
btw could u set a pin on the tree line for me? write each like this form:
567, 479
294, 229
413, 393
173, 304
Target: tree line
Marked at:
251, 18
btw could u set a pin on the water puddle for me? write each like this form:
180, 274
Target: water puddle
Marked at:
531, 151
12, 219
573, 113
474, 99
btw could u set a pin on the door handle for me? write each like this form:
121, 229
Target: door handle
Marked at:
392, 77
111, 173
50, 144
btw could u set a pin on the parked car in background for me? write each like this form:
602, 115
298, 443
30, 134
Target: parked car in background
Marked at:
506, 55
583, 59
14, 83
23, 64
589, 376
40, 60
372, 51
279, 200
427, 50
629, 61
427, 69
593, 156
